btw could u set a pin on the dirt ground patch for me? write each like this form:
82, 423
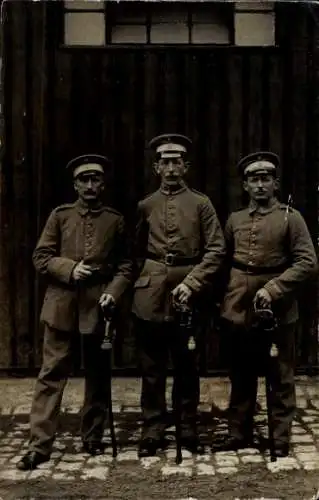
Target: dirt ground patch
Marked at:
250, 484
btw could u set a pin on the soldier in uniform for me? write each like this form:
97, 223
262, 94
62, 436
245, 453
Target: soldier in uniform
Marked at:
271, 254
179, 248
81, 252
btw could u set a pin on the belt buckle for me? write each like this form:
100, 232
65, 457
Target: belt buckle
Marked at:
169, 259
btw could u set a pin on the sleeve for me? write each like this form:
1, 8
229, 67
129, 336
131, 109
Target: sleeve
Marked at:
123, 265
213, 250
46, 257
304, 262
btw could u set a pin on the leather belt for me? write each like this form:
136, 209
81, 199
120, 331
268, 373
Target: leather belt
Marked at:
171, 259
259, 269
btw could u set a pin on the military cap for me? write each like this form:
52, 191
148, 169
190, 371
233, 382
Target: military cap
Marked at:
170, 145
88, 163
261, 162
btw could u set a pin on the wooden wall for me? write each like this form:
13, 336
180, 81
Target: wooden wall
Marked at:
60, 103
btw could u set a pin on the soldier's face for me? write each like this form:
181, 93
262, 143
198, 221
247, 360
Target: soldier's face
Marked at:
261, 187
89, 186
171, 171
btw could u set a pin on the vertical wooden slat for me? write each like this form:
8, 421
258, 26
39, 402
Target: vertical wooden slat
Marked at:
6, 193
255, 119
19, 254
275, 103
235, 129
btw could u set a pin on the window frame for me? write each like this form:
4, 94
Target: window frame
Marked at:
190, 6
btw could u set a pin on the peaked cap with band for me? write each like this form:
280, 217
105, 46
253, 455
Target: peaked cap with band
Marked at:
262, 162
170, 145
88, 163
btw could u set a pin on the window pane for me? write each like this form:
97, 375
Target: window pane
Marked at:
169, 33
255, 29
210, 33
168, 13
84, 28
128, 12
129, 33
84, 4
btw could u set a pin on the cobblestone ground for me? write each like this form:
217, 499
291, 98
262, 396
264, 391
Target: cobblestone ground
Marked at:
69, 464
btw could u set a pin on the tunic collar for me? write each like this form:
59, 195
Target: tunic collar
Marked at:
83, 209
254, 208
179, 190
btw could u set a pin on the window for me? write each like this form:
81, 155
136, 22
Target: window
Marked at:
254, 23
99, 23
84, 23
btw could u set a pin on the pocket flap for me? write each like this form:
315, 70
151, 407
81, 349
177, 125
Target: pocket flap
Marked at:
142, 281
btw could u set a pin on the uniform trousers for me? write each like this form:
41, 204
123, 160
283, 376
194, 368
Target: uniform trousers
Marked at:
249, 357
51, 381
156, 342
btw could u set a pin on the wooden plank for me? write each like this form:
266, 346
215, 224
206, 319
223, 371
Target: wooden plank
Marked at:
151, 105
235, 129
275, 122
255, 107
20, 252
6, 191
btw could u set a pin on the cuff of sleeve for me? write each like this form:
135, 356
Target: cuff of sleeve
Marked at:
273, 290
192, 283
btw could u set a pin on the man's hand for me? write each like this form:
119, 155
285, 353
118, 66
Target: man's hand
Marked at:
181, 294
81, 271
262, 299
106, 301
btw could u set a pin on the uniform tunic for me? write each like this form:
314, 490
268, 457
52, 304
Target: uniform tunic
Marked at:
261, 238
183, 223
72, 233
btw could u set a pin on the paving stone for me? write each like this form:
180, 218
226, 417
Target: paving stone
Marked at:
203, 458
15, 459
3, 460
6, 410
67, 466
251, 459
248, 451
13, 474
302, 403
68, 457
281, 465
60, 476
311, 465
124, 456
38, 473
7, 449
100, 459
22, 410
171, 454
132, 409
227, 470
169, 470
96, 473
229, 460
301, 439
148, 462
298, 431
305, 448
205, 470
308, 457
309, 419
315, 431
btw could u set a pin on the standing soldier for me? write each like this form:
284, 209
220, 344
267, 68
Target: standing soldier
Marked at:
180, 247
81, 252
271, 255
